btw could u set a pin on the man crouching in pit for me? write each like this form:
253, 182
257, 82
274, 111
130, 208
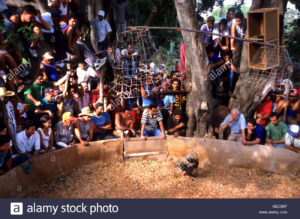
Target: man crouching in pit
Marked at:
124, 122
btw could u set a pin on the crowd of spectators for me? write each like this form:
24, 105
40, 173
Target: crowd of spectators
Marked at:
66, 104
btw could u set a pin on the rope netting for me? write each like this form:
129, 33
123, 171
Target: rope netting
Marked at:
136, 63
279, 63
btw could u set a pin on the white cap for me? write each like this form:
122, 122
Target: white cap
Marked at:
48, 55
152, 65
101, 13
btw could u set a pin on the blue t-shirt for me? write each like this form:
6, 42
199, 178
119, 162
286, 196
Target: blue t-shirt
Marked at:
52, 106
258, 132
101, 120
214, 59
168, 99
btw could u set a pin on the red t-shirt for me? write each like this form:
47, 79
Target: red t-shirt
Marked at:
137, 121
264, 108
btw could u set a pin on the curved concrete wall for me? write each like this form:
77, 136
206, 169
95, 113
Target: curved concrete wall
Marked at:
16, 183
235, 154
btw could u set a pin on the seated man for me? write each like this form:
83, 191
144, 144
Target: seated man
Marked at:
84, 127
254, 133
125, 122
292, 138
176, 125
5, 150
149, 121
28, 142
103, 124
237, 123
276, 132
64, 131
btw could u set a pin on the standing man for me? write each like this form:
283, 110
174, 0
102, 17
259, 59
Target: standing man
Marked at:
229, 17
208, 27
237, 123
102, 29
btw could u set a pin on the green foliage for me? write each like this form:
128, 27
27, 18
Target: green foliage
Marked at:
139, 11
219, 12
15, 40
291, 23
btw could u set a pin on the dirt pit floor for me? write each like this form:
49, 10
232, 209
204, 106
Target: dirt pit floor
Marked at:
154, 179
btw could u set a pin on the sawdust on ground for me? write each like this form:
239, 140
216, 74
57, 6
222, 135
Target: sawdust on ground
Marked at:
157, 179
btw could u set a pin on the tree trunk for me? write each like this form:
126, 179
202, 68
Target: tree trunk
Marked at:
248, 97
198, 63
42, 5
93, 7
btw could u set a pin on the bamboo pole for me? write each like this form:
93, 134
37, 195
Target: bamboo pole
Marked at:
147, 28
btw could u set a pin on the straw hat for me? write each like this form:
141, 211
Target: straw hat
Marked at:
6, 93
86, 112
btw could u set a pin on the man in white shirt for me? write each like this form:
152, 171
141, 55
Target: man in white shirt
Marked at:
102, 29
28, 142
208, 27
84, 74
221, 43
292, 138
129, 60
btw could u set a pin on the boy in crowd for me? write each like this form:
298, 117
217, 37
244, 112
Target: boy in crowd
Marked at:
208, 27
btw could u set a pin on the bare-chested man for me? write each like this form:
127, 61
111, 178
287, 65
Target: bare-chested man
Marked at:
124, 121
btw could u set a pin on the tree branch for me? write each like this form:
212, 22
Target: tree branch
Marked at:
292, 35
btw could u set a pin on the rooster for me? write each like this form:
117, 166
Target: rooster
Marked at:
189, 165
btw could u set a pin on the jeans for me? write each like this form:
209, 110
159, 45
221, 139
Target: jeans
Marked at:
102, 46
155, 132
281, 145
129, 67
2, 158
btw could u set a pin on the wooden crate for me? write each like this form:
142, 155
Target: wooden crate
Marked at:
263, 24
264, 57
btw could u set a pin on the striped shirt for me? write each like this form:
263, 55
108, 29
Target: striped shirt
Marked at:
149, 121
236, 126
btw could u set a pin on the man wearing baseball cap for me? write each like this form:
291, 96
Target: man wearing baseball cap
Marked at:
48, 106
64, 131
102, 30
292, 138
